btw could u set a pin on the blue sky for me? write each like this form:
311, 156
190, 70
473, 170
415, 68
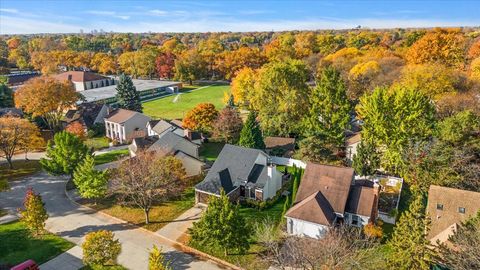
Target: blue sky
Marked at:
65, 16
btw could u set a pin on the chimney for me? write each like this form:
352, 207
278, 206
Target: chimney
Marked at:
70, 77
187, 133
270, 170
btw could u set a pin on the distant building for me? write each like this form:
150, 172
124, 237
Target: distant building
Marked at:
125, 125
15, 80
448, 207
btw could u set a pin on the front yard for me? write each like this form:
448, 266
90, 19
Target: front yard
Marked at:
21, 168
16, 239
160, 214
97, 143
176, 106
110, 156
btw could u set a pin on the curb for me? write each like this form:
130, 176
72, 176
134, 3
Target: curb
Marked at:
189, 250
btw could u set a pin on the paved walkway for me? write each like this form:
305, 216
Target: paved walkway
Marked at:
69, 260
8, 218
176, 229
73, 222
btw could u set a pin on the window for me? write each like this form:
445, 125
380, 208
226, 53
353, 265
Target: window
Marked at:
439, 206
461, 210
354, 220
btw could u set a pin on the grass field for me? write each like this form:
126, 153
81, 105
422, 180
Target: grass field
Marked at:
165, 108
21, 246
21, 168
110, 156
97, 143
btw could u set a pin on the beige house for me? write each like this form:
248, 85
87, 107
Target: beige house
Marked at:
125, 125
448, 207
351, 145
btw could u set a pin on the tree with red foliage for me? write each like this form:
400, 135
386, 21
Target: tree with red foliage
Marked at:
77, 129
165, 65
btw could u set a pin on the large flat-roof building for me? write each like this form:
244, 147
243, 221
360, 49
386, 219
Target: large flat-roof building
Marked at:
96, 88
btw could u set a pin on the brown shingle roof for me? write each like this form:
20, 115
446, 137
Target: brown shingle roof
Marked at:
79, 76
361, 200
280, 142
315, 208
451, 199
332, 181
354, 139
120, 115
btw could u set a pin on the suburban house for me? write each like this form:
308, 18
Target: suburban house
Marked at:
84, 80
158, 127
448, 207
329, 195
88, 114
351, 145
170, 143
243, 173
280, 146
125, 125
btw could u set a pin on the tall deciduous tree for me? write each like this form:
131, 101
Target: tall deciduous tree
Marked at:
147, 179
64, 154
91, 184
329, 112
243, 85
393, 119
251, 135
228, 125
34, 214
165, 63
221, 227
366, 160
201, 117
280, 96
409, 245
46, 97
16, 134
127, 95
190, 66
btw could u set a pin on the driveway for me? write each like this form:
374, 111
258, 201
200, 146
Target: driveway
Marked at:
72, 222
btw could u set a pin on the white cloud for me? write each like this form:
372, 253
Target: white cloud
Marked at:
158, 12
15, 25
9, 10
112, 14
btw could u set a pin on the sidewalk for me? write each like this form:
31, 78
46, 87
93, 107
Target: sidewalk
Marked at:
69, 260
175, 229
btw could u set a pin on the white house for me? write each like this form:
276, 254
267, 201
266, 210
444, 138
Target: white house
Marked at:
351, 145
125, 125
242, 173
328, 195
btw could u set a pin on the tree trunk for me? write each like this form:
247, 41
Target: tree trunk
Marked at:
10, 164
225, 251
147, 218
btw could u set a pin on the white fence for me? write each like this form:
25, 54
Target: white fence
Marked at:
288, 162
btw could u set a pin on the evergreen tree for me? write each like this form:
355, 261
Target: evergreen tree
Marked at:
366, 160
64, 154
329, 113
6, 96
157, 261
221, 227
296, 184
251, 135
286, 205
127, 95
34, 215
91, 184
231, 101
409, 245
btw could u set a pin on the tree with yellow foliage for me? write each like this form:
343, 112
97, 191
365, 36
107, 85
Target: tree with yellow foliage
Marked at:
103, 63
243, 85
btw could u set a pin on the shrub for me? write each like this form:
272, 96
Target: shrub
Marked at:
157, 261
34, 215
100, 248
372, 230
4, 185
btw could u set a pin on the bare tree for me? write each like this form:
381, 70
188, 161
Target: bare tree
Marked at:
148, 179
340, 248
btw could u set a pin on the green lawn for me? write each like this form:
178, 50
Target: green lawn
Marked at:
97, 143
160, 214
17, 245
165, 108
110, 156
211, 150
21, 168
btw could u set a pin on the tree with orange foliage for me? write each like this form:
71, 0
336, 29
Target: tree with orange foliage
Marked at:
201, 118
165, 64
474, 51
103, 63
77, 129
15, 134
440, 45
46, 97
373, 230
281, 48
231, 62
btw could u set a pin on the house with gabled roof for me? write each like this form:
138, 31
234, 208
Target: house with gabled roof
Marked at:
242, 173
329, 195
87, 114
447, 208
125, 125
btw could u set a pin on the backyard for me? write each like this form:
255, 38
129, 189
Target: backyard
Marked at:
175, 107
21, 246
